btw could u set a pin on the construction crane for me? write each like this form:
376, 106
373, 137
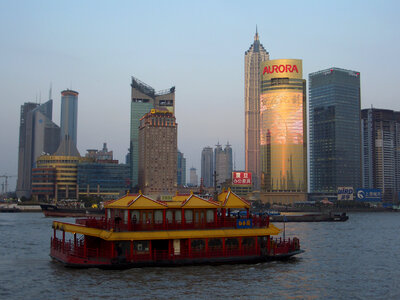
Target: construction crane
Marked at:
5, 184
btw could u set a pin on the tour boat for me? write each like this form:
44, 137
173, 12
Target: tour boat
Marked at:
137, 231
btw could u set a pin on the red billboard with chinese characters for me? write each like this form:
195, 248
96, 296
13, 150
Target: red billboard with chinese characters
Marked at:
241, 178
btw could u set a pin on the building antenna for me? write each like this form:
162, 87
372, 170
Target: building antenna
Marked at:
234, 160
50, 91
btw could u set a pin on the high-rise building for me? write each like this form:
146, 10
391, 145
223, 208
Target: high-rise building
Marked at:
207, 167
283, 140
381, 151
158, 153
101, 155
38, 135
55, 177
143, 99
193, 177
181, 169
223, 163
335, 134
252, 61
69, 115
104, 179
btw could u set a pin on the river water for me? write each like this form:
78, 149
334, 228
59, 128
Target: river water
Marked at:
357, 259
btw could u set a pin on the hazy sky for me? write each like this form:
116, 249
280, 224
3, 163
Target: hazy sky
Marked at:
94, 47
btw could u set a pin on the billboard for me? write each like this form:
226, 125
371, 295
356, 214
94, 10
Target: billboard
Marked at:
345, 193
282, 68
241, 178
369, 195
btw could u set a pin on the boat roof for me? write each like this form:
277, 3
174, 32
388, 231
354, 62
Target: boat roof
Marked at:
229, 199
136, 201
226, 199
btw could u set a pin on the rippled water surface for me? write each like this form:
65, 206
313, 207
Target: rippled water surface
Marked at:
357, 259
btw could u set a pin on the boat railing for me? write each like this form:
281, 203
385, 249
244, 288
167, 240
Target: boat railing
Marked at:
282, 246
121, 225
68, 248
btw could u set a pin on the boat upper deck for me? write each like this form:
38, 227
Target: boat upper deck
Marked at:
139, 213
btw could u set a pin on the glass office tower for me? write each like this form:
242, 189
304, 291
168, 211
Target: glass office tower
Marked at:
207, 166
69, 115
335, 136
283, 140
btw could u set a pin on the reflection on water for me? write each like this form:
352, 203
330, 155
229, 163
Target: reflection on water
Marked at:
353, 259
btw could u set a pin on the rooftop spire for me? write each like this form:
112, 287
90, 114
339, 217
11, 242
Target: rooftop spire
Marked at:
256, 36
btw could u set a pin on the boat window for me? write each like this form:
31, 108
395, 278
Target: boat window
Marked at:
210, 215
178, 216
188, 215
141, 246
168, 215
125, 216
248, 242
108, 213
214, 244
158, 216
198, 245
147, 217
135, 216
232, 243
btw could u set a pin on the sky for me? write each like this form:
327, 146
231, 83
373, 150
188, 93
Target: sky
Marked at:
94, 47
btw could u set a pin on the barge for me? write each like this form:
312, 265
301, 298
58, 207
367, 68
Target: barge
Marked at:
138, 231
54, 210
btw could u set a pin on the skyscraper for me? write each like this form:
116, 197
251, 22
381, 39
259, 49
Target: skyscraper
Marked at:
223, 163
143, 99
283, 140
181, 169
381, 151
193, 178
335, 135
158, 153
69, 115
252, 61
38, 135
207, 166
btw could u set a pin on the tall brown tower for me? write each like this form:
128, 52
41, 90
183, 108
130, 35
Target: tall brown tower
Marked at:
158, 152
252, 75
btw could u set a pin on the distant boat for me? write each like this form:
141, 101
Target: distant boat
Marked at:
311, 218
53, 210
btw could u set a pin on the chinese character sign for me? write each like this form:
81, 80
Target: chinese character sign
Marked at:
345, 193
241, 178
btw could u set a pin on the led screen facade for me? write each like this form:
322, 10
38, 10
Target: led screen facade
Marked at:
283, 127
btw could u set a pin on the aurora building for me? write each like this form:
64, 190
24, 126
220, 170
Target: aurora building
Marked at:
283, 140
252, 60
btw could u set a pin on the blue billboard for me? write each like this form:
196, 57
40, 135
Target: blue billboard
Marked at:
369, 195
